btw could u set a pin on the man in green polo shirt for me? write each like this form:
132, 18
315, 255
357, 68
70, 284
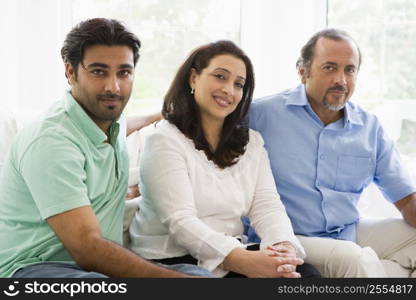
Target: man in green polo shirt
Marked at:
63, 186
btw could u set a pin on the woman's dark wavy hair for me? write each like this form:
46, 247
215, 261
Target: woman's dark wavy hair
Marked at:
180, 108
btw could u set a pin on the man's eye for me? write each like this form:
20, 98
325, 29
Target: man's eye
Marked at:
351, 70
125, 73
329, 68
97, 72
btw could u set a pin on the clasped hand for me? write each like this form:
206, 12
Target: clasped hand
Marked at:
276, 261
285, 253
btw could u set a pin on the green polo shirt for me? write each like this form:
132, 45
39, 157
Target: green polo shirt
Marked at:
57, 164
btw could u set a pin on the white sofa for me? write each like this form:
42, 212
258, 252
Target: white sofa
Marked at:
8, 129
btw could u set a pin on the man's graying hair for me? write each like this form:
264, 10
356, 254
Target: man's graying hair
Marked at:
307, 51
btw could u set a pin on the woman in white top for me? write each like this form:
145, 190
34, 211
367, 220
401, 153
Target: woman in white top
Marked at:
202, 170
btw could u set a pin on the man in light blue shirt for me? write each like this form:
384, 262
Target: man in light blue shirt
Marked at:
324, 151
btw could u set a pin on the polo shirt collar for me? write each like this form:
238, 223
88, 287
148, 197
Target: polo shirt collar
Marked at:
86, 124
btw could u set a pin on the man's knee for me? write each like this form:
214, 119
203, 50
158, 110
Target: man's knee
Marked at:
347, 259
345, 252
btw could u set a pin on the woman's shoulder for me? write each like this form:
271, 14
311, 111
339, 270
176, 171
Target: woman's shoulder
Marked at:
166, 130
167, 134
255, 138
253, 148
165, 127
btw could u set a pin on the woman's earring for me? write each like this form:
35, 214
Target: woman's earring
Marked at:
192, 91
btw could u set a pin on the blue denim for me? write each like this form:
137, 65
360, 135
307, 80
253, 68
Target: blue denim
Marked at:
65, 270
249, 231
55, 270
188, 269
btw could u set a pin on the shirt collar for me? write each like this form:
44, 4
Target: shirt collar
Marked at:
86, 124
298, 97
352, 115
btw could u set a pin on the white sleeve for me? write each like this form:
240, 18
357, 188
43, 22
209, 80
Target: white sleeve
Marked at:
134, 147
267, 213
166, 182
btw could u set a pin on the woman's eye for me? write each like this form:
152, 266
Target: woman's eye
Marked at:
219, 76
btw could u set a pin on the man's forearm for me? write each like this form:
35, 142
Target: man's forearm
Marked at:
407, 207
110, 259
137, 123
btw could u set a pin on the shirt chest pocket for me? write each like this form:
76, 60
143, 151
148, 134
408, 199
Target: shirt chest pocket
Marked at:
354, 173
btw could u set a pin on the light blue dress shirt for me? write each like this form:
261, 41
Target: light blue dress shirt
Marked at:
320, 171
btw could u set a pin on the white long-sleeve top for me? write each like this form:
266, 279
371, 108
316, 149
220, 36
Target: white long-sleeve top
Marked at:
191, 206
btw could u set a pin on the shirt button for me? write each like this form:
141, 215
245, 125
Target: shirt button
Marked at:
322, 156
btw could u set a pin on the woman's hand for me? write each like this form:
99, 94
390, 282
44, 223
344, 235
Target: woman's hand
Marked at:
283, 249
133, 192
261, 263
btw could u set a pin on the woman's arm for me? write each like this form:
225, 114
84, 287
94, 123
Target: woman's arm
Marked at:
261, 263
267, 213
138, 122
167, 185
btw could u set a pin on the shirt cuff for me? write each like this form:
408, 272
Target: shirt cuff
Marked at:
213, 264
133, 176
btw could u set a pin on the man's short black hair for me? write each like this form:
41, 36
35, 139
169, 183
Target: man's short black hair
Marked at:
98, 31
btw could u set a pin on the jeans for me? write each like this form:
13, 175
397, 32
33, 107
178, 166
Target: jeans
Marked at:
66, 270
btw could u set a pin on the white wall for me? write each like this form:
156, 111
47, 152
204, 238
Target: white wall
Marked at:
32, 33
273, 33
34, 30
9, 52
